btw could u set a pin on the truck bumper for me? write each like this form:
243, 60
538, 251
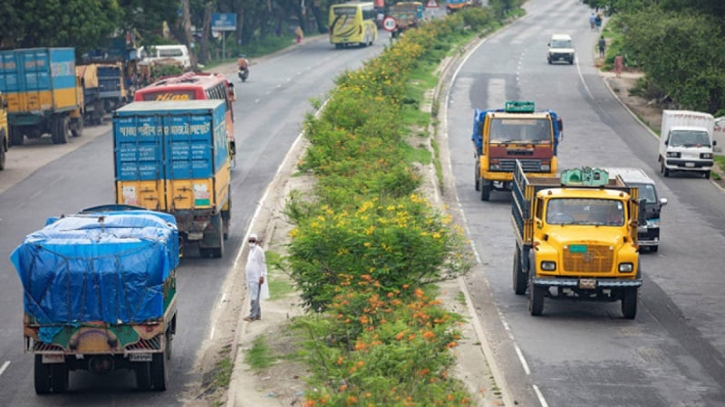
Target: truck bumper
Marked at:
579, 282
688, 165
648, 236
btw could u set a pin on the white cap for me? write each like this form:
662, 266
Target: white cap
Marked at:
253, 236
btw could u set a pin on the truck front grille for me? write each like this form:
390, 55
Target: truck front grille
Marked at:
527, 165
597, 259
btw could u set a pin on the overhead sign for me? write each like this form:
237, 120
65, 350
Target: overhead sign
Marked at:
223, 21
389, 23
431, 4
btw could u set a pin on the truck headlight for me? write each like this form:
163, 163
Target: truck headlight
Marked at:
707, 156
626, 267
653, 223
548, 265
495, 167
673, 154
545, 167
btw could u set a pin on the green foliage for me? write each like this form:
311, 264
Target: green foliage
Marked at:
678, 54
260, 356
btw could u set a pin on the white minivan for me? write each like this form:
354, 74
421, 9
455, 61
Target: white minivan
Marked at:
179, 53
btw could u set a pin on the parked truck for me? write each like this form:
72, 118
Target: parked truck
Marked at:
576, 238
4, 133
99, 294
44, 94
516, 132
407, 14
103, 89
686, 142
174, 157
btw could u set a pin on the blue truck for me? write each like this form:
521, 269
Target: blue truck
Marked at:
99, 294
43, 93
174, 157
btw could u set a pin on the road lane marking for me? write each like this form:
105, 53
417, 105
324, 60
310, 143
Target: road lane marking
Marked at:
4, 366
542, 400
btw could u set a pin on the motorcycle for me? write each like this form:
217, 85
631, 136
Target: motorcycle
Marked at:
243, 74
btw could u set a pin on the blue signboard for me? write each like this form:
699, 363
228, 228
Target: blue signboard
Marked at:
223, 21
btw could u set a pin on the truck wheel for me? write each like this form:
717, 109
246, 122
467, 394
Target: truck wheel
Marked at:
143, 375
653, 249
536, 299
706, 174
629, 302
664, 169
59, 130
477, 176
486, 189
17, 138
78, 125
2, 151
218, 252
59, 377
159, 374
518, 274
42, 376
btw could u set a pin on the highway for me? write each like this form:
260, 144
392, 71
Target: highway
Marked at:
269, 112
585, 353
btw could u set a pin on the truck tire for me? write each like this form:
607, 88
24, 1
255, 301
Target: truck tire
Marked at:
77, 127
41, 376
227, 216
706, 174
17, 137
159, 372
2, 151
143, 375
629, 302
536, 299
59, 377
59, 129
653, 249
664, 169
486, 189
519, 276
477, 175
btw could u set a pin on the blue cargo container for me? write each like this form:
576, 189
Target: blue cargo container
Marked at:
43, 93
174, 157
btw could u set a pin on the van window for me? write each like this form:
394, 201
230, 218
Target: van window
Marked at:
168, 53
647, 192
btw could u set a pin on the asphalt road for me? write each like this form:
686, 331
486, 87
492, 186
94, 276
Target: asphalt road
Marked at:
269, 112
586, 354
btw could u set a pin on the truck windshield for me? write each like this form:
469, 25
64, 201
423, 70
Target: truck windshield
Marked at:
577, 211
689, 138
531, 131
561, 44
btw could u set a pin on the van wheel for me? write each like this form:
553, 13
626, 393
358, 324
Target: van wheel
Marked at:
706, 174
653, 249
664, 169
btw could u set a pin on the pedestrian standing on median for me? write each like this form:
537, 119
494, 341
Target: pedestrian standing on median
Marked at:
618, 65
256, 272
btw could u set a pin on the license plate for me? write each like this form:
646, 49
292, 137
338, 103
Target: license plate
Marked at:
690, 165
577, 248
140, 357
53, 358
587, 283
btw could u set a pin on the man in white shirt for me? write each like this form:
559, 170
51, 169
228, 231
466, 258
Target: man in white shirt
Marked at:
256, 273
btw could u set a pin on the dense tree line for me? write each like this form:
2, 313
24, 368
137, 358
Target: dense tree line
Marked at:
678, 44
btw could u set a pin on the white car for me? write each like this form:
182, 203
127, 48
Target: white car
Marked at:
561, 49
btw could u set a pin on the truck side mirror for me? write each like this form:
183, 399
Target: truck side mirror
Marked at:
663, 201
560, 123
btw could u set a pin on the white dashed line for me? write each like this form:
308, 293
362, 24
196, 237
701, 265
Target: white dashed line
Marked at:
4, 366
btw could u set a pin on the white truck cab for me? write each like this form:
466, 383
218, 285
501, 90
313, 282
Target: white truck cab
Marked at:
561, 49
686, 142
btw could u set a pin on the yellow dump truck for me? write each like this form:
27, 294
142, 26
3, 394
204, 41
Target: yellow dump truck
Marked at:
103, 89
44, 94
576, 238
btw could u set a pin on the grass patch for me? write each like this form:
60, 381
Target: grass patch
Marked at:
260, 356
720, 161
461, 298
222, 373
417, 154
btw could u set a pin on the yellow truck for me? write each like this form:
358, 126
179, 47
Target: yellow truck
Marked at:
44, 94
4, 133
576, 238
103, 89
516, 132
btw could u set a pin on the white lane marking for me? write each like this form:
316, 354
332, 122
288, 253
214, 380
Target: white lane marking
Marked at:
492, 361
581, 76
542, 400
4, 366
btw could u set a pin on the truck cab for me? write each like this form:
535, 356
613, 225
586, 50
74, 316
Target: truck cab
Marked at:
651, 205
686, 142
576, 239
516, 132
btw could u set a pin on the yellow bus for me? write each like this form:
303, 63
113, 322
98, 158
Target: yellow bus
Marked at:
353, 23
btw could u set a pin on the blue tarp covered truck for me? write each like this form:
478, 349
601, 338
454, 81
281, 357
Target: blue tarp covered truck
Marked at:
44, 94
99, 294
174, 157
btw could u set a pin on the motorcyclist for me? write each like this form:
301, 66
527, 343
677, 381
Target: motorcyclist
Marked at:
243, 63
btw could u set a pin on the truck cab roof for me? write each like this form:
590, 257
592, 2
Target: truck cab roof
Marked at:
630, 174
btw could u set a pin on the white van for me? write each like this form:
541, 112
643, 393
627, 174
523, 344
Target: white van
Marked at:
561, 48
686, 142
179, 53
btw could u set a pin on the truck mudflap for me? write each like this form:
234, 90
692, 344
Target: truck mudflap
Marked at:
585, 283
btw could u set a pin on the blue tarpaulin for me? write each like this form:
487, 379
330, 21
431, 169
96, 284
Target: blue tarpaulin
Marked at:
107, 267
